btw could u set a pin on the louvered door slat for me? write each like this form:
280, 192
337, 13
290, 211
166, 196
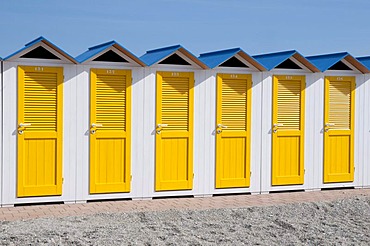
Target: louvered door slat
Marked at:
111, 101
340, 104
289, 105
175, 103
40, 101
234, 103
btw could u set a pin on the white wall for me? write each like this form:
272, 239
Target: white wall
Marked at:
361, 95
83, 131
310, 124
9, 114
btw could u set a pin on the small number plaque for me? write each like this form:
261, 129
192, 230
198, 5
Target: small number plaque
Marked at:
233, 76
109, 71
175, 74
39, 69
289, 77
340, 78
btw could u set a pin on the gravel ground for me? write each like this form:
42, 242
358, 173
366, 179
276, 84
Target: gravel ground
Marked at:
343, 222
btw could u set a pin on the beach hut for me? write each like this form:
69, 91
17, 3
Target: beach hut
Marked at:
285, 120
340, 134
231, 116
173, 125
108, 120
38, 131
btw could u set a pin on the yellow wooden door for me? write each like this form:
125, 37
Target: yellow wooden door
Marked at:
40, 126
110, 131
174, 131
233, 130
339, 129
288, 130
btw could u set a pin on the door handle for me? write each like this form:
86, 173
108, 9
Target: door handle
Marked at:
162, 125
24, 124
278, 125
221, 126
329, 124
93, 125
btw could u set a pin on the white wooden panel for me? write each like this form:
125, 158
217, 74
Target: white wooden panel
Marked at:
9, 115
83, 133
210, 136
366, 136
359, 137
266, 137
1, 132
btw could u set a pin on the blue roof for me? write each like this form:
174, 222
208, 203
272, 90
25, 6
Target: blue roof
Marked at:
47, 42
97, 49
151, 57
324, 62
216, 58
365, 61
272, 60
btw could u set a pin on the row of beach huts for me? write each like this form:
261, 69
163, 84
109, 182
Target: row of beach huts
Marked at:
110, 125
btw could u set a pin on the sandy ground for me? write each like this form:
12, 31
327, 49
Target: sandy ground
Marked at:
343, 222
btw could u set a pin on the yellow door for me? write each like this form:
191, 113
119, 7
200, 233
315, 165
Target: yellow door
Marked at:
338, 129
288, 130
110, 130
174, 131
233, 130
40, 126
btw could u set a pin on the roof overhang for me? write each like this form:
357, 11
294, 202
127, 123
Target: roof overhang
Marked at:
37, 42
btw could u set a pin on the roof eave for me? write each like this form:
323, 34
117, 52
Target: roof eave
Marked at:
306, 63
60, 51
252, 61
357, 64
193, 58
129, 54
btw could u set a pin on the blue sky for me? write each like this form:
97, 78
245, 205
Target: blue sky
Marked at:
257, 26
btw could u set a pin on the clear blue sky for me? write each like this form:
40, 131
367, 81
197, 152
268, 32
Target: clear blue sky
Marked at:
257, 26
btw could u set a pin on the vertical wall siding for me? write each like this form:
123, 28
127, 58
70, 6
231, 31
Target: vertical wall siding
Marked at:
360, 96
77, 123
9, 174
309, 134
1, 133
83, 134
366, 134
210, 136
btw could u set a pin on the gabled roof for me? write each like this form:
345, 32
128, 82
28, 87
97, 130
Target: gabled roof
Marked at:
152, 57
216, 58
324, 62
365, 60
99, 49
272, 60
48, 43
